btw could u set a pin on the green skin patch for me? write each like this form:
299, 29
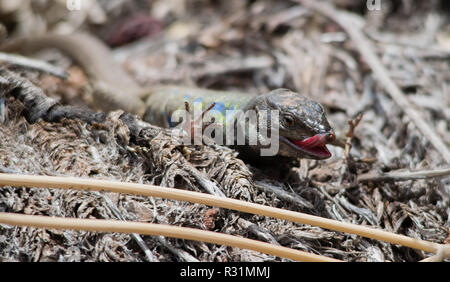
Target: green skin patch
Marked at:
165, 100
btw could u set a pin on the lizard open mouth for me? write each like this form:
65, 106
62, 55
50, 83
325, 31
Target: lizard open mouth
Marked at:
315, 145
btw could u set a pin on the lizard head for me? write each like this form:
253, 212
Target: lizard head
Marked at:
304, 130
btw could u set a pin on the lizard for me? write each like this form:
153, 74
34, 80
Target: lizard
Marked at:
304, 129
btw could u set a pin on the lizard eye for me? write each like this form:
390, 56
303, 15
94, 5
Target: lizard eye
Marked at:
288, 121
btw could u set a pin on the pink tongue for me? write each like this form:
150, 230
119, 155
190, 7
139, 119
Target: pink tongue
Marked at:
317, 140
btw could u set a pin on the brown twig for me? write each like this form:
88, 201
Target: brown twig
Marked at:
366, 50
350, 134
347, 159
113, 208
180, 253
33, 64
403, 175
441, 254
283, 195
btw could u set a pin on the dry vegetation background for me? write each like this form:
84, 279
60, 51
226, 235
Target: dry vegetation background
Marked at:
252, 46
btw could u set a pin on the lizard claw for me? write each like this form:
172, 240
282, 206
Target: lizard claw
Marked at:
196, 127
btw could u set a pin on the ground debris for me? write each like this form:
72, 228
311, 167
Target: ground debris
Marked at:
254, 46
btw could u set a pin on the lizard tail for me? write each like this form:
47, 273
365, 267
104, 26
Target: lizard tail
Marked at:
114, 87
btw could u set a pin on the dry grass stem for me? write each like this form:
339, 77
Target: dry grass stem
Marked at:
201, 198
100, 225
